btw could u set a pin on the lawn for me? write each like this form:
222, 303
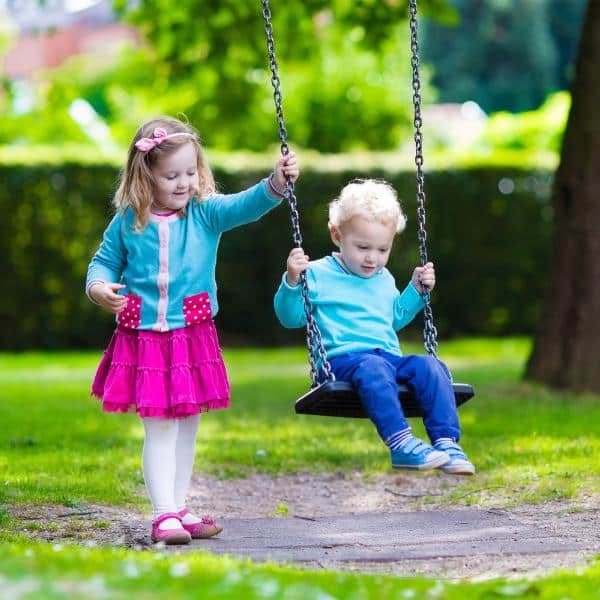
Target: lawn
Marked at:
56, 446
76, 573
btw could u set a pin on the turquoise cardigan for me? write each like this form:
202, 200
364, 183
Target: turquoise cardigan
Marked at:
169, 267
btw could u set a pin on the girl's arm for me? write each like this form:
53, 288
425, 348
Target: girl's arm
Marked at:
407, 306
108, 262
224, 212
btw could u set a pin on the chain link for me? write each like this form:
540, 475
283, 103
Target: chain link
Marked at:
313, 335
314, 342
429, 330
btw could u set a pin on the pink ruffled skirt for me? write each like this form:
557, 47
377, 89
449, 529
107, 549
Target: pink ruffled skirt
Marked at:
163, 374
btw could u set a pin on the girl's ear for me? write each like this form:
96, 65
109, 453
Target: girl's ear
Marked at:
336, 237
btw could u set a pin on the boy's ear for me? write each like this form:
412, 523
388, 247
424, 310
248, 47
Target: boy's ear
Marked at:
336, 238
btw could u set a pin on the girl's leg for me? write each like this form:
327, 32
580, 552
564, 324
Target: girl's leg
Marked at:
184, 453
158, 466
433, 390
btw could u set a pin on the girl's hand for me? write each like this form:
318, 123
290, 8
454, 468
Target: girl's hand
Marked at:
297, 262
105, 295
287, 166
423, 278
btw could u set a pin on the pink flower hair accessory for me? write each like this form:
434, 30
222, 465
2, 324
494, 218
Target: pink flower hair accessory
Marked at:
158, 137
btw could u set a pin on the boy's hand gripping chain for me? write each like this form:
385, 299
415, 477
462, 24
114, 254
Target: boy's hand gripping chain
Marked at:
314, 342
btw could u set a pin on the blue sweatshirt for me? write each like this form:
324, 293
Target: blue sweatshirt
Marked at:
169, 267
354, 313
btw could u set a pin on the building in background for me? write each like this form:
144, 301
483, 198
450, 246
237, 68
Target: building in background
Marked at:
49, 33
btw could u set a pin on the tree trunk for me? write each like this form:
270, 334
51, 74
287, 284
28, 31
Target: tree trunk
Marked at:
566, 348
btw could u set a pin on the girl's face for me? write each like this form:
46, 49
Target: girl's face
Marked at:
176, 178
365, 245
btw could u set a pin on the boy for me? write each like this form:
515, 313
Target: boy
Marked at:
358, 310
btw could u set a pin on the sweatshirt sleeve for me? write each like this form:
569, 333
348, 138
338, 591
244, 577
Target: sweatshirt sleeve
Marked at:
107, 264
407, 306
288, 304
223, 212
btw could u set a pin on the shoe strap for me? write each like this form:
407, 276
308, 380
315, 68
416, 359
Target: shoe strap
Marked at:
164, 517
414, 445
452, 448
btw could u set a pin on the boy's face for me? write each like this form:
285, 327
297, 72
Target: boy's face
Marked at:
365, 245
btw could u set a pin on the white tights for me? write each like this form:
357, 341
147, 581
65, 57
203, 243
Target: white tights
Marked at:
167, 462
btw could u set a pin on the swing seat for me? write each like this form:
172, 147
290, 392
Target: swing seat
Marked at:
339, 399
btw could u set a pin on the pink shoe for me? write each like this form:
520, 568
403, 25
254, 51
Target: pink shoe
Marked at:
205, 528
169, 536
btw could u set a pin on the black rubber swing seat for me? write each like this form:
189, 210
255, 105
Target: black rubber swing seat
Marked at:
339, 399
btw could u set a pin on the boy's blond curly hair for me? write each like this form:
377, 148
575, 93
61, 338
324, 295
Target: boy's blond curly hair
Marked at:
374, 199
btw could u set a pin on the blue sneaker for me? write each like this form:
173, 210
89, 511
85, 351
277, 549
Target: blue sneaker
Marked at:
416, 454
458, 464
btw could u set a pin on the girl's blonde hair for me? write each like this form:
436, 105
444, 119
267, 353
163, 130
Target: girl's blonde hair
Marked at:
373, 199
136, 183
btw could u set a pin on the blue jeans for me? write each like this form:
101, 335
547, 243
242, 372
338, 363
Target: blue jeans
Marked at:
375, 376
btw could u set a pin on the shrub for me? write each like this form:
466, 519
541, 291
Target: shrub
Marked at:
488, 232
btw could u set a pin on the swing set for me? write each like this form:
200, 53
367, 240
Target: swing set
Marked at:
327, 396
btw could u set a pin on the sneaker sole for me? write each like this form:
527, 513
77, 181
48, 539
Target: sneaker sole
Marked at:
434, 464
175, 539
206, 536
459, 470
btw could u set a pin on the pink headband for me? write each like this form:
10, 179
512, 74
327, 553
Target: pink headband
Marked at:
158, 137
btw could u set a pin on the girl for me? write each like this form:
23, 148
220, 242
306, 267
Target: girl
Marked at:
155, 270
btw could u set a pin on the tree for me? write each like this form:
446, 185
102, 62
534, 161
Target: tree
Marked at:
566, 347
504, 55
341, 61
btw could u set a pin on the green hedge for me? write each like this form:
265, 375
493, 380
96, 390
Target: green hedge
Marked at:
490, 249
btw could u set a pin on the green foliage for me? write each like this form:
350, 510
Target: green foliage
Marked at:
345, 78
71, 572
112, 90
485, 286
504, 55
328, 108
541, 128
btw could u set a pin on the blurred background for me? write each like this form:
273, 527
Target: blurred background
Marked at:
79, 77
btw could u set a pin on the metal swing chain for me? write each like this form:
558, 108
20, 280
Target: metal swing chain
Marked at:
429, 330
314, 342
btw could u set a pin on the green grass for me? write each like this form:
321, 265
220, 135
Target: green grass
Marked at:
43, 571
56, 445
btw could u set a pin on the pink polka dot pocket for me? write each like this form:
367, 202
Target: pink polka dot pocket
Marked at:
196, 308
130, 316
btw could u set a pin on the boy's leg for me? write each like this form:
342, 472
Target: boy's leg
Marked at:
374, 379
432, 385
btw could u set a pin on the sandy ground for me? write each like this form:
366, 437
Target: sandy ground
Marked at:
306, 496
